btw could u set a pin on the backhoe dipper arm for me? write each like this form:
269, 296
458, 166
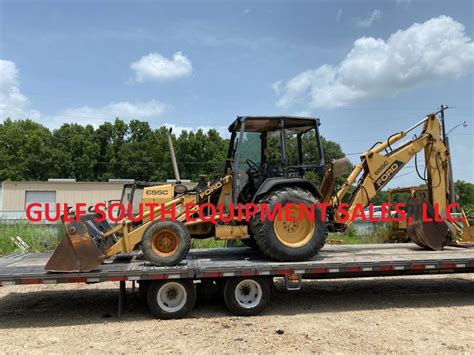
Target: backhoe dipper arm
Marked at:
378, 169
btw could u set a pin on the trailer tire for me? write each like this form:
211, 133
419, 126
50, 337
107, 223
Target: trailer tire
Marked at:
290, 241
171, 299
166, 243
247, 296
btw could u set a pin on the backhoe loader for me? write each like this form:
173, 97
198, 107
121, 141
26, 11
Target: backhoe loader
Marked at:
267, 163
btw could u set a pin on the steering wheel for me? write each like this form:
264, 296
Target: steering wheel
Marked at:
253, 166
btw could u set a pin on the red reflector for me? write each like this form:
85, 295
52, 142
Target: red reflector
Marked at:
118, 278
248, 273
212, 274
320, 270
417, 266
448, 266
386, 268
77, 279
31, 282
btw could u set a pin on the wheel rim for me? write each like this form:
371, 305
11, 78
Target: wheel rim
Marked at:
294, 234
248, 293
172, 297
164, 243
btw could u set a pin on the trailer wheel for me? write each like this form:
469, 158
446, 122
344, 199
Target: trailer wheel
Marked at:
171, 299
166, 243
247, 296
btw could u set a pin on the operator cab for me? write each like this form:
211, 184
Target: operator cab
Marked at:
265, 147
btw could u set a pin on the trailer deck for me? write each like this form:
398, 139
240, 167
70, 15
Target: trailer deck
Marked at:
334, 261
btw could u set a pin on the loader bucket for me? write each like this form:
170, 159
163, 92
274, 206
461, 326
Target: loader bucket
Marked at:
432, 235
77, 252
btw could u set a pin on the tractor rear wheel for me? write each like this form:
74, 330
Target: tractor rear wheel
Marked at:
166, 242
286, 240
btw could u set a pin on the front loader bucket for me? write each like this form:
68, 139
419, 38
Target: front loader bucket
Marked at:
77, 252
423, 230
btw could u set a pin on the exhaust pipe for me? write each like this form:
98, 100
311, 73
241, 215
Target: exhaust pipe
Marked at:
173, 157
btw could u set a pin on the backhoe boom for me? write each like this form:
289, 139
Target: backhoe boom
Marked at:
380, 164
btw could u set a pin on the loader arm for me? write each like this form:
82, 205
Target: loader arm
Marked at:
381, 164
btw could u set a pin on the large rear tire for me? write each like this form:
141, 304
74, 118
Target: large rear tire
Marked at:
166, 243
285, 240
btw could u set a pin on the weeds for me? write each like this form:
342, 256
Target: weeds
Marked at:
377, 234
208, 243
43, 238
39, 237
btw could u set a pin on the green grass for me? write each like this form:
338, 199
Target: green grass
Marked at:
39, 237
377, 235
42, 238
207, 243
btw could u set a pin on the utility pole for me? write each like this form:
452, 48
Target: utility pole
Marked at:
452, 193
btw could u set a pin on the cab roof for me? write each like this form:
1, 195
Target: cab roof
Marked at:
272, 123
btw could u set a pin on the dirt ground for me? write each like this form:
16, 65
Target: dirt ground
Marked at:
432, 314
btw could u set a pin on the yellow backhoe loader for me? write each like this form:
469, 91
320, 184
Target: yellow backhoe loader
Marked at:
267, 161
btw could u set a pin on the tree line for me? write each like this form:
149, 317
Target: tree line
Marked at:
30, 151
133, 150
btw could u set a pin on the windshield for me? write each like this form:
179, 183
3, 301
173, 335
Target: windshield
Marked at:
250, 148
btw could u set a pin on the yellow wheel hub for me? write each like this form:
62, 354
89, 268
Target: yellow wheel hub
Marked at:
164, 243
293, 234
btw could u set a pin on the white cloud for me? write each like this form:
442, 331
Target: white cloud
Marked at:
437, 49
124, 110
13, 103
338, 16
156, 67
277, 87
376, 15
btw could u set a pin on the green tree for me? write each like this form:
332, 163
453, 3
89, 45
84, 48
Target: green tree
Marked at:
25, 150
74, 152
29, 151
464, 192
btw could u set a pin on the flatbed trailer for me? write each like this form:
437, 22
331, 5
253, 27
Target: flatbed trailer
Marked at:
244, 274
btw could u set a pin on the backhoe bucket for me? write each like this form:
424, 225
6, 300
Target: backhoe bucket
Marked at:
468, 234
467, 230
77, 252
426, 233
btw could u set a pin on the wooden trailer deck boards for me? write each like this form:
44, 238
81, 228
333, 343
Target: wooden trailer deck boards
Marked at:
334, 261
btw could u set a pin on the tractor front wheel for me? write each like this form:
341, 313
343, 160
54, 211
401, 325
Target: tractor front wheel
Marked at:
166, 243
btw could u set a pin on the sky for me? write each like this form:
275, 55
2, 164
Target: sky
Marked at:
367, 69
